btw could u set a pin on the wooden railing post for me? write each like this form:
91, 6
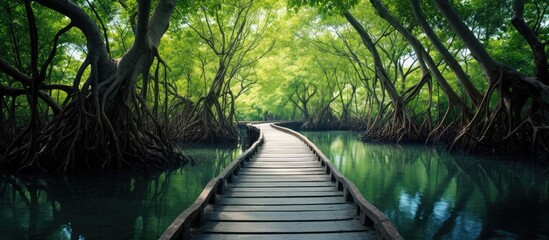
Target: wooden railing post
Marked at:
186, 233
347, 195
221, 187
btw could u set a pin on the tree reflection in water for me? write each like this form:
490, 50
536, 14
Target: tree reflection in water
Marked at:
130, 205
430, 194
75, 207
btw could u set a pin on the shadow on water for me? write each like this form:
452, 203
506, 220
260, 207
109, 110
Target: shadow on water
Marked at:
128, 205
431, 194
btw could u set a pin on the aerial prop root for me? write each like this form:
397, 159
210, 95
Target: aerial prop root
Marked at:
510, 124
91, 133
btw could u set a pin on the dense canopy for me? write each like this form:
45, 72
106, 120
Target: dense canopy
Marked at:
98, 85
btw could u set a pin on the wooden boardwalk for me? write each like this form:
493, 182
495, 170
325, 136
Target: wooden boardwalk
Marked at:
282, 192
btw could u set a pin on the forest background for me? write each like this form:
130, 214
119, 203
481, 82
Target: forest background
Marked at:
97, 85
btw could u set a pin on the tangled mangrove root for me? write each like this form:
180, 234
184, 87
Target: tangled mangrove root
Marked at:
398, 128
199, 125
322, 119
105, 127
518, 122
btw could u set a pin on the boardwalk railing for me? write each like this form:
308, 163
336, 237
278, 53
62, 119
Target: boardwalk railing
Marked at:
194, 215
181, 226
369, 214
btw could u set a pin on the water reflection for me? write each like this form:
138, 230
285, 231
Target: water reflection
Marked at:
430, 194
131, 205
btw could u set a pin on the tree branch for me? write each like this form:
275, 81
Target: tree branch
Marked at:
81, 20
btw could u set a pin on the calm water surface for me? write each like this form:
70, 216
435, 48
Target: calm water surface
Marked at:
123, 206
427, 194
430, 194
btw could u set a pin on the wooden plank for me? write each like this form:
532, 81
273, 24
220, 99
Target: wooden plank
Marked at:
277, 150
267, 164
267, 167
282, 194
282, 227
288, 142
292, 162
317, 178
307, 236
289, 158
287, 151
280, 216
285, 162
280, 201
286, 208
291, 142
307, 163
323, 177
284, 148
282, 189
283, 155
282, 170
281, 184
290, 174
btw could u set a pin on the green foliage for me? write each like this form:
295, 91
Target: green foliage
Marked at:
325, 7
303, 47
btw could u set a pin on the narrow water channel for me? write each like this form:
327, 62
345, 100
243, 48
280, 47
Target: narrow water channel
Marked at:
426, 192
431, 194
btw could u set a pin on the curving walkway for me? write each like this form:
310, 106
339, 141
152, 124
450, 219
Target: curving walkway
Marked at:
283, 192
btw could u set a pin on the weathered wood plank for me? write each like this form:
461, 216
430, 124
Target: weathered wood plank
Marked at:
284, 162
268, 167
282, 189
288, 143
289, 174
295, 172
319, 178
280, 201
285, 159
282, 194
285, 148
288, 178
283, 155
281, 184
292, 162
315, 236
280, 216
282, 165
282, 227
283, 170
285, 208
292, 152
277, 150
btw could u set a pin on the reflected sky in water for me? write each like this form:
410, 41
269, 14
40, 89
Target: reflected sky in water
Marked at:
431, 194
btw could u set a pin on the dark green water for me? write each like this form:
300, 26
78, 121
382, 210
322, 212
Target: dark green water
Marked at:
122, 206
430, 194
427, 194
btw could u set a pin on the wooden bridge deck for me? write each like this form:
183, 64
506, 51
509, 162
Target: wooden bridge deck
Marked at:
282, 187
282, 193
